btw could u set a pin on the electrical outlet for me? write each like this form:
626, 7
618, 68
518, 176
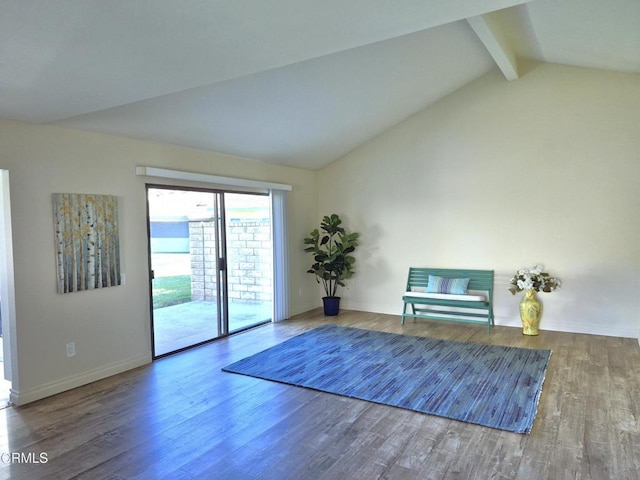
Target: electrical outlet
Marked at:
71, 349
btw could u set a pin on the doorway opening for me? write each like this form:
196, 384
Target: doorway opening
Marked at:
211, 256
7, 297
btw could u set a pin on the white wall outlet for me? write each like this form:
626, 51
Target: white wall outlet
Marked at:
71, 349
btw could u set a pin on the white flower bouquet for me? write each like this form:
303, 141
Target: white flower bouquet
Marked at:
533, 279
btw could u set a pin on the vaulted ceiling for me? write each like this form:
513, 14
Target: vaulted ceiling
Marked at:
293, 82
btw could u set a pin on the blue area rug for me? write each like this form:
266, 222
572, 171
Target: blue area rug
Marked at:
487, 385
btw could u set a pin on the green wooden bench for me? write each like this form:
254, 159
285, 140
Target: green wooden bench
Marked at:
473, 306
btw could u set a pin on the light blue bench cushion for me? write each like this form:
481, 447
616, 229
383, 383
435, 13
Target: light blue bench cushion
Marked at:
419, 292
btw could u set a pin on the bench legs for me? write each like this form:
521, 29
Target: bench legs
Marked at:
490, 317
404, 311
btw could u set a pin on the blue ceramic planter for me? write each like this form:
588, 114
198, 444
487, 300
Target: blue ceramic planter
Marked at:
331, 306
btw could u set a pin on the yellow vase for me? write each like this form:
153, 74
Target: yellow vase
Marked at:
530, 313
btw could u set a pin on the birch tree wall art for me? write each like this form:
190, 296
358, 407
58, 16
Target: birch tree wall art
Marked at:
87, 241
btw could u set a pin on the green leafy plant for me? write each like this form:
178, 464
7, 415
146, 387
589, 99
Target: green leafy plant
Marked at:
331, 247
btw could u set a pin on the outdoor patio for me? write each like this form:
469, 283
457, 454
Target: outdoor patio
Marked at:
187, 324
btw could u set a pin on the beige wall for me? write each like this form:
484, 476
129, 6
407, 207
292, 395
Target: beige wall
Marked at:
111, 326
501, 175
498, 175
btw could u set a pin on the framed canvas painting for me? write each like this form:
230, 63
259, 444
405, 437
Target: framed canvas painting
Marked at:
87, 241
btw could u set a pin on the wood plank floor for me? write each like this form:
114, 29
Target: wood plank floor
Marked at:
182, 418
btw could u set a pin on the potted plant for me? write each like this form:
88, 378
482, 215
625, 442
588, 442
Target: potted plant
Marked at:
331, 247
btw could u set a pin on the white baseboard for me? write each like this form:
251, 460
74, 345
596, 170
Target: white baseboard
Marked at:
298, 308
22, 397
592, 328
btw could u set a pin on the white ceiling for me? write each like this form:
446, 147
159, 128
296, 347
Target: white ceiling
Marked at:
293, 82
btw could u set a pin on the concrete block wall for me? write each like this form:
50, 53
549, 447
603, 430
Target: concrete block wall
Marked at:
249, 261
202, 250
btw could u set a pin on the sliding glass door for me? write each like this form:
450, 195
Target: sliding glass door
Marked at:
249, 252
211, 265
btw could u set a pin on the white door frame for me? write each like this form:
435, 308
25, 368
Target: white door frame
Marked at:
7, 286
